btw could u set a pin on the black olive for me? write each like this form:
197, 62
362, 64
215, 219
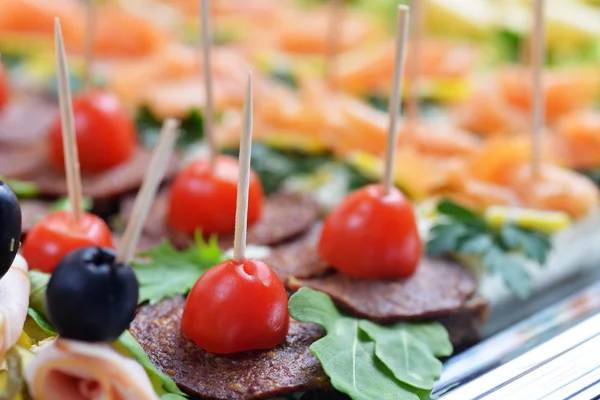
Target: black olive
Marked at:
90, 297
10, 227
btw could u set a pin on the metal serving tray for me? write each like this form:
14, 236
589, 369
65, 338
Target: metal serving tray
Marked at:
553, 354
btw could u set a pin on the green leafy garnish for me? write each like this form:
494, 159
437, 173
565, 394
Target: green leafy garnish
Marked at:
169, 272
63, 204
369, 361
273, 166
37, 296
162, 383
148, 126
285, 76
461, 231
22, 189
593, 174
509, 44
42, 322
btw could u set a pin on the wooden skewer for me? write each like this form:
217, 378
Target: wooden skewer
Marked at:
241, 212
68, 126
143, 201
90, 26
394, 107
208, 84
413, 79
333, 39
537, 100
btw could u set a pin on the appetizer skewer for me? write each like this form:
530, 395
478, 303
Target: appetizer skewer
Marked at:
95, 312
240, 304
63, 231
383, 240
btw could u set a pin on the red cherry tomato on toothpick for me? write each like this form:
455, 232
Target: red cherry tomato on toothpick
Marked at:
371, 235
236, 307
205, 200
4, 88
106, 135
58, 234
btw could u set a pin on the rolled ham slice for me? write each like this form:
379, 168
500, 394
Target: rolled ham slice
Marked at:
14, 300
73, 370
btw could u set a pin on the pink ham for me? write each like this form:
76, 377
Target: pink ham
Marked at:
14, 300
73, 370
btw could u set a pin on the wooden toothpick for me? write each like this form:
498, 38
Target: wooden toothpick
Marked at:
143, 201
90, 26
333, 40
537, 100
413, 78
394, 107
208, 87
241, 212
68, 127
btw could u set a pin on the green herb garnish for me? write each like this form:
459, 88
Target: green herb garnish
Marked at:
148, 126
461, 231
285, 76
42, 322
369, 361
22, 189
169, 272
592, 173
63, 204
273, 166
37, 295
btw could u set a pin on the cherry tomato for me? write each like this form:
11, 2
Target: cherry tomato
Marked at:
236, 307
371, 235
106, 135
58, 234
4, 88
205, 200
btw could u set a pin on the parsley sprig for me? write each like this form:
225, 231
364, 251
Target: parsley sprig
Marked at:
370, 361
460, 231
165, 271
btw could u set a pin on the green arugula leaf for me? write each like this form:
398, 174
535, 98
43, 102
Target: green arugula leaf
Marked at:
509, 44
461, 231
162, 383
148, 127
171, 396
42, 322
411, 360
22, 189
593, 174
368, 361
182, 268
284, 75
63, 204
273, 166
378, 101
37, 296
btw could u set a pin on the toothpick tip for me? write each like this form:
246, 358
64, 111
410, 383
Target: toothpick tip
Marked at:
403, 7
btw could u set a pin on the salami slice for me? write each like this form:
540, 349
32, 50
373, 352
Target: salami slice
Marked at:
285, 216
122, 179
440, 287
259, 374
